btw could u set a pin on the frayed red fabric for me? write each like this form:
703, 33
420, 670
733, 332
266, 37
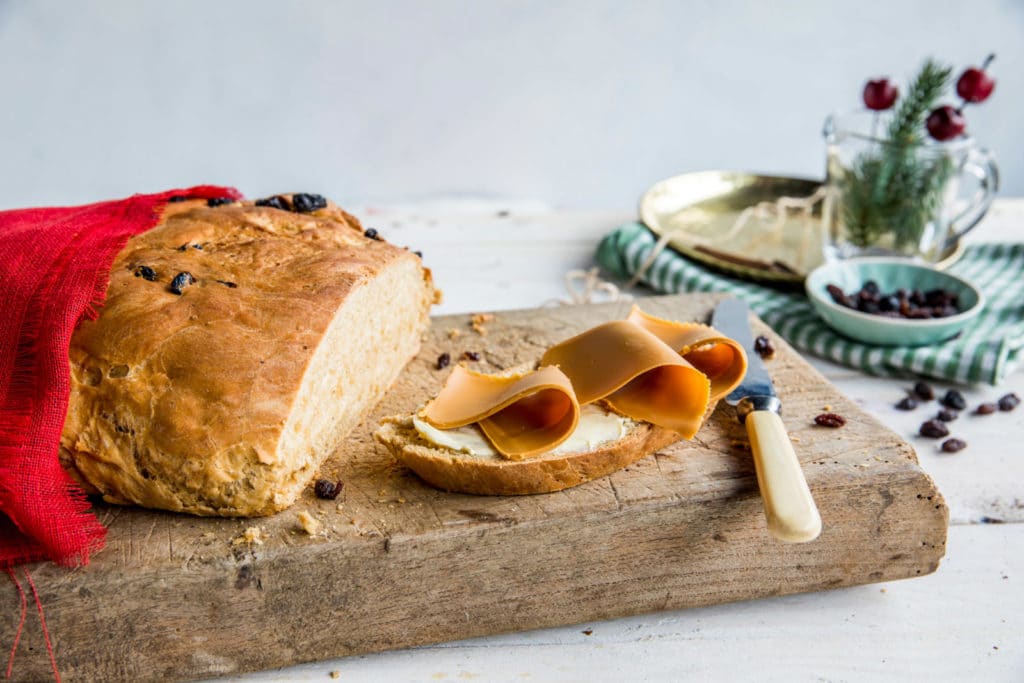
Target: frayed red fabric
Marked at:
54, 269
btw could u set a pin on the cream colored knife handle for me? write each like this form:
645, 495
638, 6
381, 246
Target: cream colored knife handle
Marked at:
788, 505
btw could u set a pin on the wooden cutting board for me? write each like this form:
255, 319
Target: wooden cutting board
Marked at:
397, 563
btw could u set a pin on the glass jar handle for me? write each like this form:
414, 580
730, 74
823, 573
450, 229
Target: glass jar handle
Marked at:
982, 165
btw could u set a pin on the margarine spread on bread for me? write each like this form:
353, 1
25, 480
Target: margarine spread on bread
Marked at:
585, 389
597, 426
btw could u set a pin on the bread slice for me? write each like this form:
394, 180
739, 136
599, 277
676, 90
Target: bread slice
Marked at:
225, 398
494, 475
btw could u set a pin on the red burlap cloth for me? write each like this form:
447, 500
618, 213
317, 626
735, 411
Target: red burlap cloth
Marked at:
54, 268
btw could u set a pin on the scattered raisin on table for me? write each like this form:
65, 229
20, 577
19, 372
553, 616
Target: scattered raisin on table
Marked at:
924, 391
219, 201
444, 360
953, 445
180, 282
304, 202
275, 202
947, 415
471, 355
907, 403
327, 489
986, 409
832, 420
372, 234
1009, 402
763, 347
954, 399
146, 273
933, 429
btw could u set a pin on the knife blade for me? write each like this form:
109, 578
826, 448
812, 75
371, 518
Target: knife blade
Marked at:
789, 507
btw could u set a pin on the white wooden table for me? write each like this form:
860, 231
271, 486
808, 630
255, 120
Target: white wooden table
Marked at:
965, 622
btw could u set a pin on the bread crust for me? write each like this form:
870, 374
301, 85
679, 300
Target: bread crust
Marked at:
179, 402
451, 471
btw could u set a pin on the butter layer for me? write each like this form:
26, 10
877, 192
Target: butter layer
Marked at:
596, 427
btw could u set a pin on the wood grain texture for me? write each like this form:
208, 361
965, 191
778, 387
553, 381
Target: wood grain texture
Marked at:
399, 564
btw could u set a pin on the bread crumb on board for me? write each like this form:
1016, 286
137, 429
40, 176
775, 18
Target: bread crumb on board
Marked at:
454, 333
335, 674
308, 522
479, 322
253, 536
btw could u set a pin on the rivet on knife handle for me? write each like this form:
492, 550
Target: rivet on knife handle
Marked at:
788, 505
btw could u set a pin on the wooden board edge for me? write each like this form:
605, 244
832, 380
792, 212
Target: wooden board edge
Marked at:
388, 594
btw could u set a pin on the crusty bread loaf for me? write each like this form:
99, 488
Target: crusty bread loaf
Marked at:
495, 475
224, 399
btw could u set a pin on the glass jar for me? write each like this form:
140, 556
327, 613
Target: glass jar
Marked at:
889, 199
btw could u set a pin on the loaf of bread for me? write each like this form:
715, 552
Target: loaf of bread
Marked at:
238, 345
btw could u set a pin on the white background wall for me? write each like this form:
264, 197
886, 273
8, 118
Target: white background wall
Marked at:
574, 103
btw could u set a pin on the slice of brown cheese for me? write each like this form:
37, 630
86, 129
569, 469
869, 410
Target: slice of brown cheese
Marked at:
636, 373
646, 368
521, 415
720, 358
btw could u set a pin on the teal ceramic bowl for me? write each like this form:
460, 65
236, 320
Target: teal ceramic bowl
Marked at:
890, 274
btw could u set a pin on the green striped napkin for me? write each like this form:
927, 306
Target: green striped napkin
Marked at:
985, 353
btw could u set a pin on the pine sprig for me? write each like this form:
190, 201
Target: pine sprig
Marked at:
890, 192
907, 125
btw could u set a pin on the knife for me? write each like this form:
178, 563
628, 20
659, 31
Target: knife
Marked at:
788, 505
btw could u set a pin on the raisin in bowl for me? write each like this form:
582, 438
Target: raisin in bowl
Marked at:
874, 316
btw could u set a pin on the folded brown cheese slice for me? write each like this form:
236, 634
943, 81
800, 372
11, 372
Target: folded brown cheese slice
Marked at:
521, 415
636, 373
720, 358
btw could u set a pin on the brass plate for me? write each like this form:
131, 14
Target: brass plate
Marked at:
732, 221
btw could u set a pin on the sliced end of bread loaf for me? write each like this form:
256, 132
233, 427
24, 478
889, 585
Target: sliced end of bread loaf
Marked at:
371, 338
